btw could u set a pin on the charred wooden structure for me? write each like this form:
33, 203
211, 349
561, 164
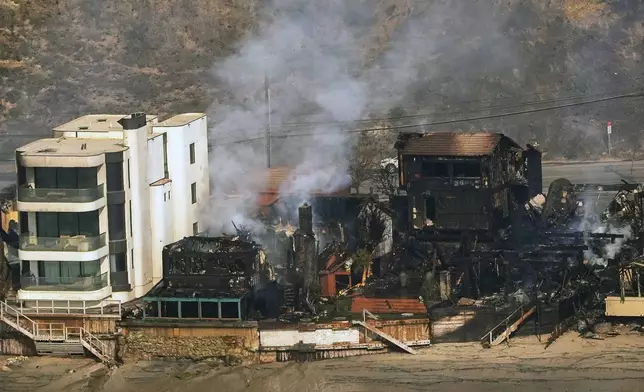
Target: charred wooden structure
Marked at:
472, 203
212, 277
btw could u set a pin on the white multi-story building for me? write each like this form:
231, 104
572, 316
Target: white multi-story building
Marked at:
100, 199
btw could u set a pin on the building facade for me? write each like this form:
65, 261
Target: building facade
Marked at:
100, 199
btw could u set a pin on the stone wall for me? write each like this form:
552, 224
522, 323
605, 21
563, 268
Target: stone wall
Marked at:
139, 345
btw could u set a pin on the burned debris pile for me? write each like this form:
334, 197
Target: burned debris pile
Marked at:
470, 225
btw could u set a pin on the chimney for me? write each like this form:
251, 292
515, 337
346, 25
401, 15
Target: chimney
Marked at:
133, 121
306, 219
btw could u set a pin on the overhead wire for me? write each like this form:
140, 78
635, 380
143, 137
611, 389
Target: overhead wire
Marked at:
634, 94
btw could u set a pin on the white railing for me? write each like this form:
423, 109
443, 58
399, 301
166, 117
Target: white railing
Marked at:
14, 318
95, 345
489, 337
106, 307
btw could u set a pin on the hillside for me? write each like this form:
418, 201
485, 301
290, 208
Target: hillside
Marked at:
63, 58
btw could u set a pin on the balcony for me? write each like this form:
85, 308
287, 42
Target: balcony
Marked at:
64, 290
77, 248
89, 283
61, 200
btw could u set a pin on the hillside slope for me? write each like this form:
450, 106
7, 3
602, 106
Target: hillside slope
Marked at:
63, 58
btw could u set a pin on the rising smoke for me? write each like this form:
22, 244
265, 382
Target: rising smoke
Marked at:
326, 65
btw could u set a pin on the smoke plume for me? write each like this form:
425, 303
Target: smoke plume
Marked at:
326, 67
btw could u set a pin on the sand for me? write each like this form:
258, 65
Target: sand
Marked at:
570, 364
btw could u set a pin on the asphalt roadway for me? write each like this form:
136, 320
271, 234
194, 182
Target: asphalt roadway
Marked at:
602, 173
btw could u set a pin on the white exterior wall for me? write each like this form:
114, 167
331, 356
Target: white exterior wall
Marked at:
322, 337
183, 174
162, 224
142, 280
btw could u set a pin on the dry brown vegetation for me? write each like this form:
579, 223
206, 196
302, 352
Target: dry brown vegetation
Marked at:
59, 59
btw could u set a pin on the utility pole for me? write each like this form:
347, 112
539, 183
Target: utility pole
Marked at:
609, 130
267, 97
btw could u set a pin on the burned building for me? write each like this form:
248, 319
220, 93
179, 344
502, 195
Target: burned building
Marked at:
212, 278
464, 182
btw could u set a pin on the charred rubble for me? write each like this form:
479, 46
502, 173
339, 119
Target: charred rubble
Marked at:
469, 223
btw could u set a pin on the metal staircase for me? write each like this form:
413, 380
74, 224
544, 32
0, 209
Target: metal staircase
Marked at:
55, 338
511, 324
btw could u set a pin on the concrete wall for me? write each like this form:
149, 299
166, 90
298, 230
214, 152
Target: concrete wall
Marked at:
137, 141
162, 223
322, 337
183, 173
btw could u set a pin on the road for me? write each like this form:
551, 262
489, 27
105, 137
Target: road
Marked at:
604, 173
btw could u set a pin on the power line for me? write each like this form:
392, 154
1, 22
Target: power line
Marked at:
454, 121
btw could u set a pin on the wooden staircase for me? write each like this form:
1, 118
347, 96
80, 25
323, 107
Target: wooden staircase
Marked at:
55, 338
508, 326
385, 336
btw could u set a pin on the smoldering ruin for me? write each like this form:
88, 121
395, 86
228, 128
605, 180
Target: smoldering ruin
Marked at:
469, 227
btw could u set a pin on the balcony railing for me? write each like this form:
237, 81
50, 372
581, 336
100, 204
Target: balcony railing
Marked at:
65, 244
88, 283
59, 195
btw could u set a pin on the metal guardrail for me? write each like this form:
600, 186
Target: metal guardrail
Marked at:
67, 244
489, 336
60, 195
107, 307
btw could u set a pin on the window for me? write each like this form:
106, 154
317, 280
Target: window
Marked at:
132, 257
118, 262
192, 153
195, 228
56, 224
193, 191
57, 272
65, 177
116, 221
131, 224
467, 169
129, 181
169, 195
114, 176
435, 169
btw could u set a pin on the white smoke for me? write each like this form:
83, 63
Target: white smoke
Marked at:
592, 223
318, 59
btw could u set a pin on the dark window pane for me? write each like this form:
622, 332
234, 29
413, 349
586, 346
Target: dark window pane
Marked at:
193, 191
47, 224
66, 178
192, 153
118, 262
87, 177
88, 223
45, 177
68, 224
114, 176
116, 221
467, 169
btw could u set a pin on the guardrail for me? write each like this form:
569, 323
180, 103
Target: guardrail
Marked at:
17, 320
108, 307
86, 283
489, 337
31, 243
59, 195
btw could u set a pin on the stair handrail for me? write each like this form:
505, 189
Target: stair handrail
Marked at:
5, 309
94, 342
488, 335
